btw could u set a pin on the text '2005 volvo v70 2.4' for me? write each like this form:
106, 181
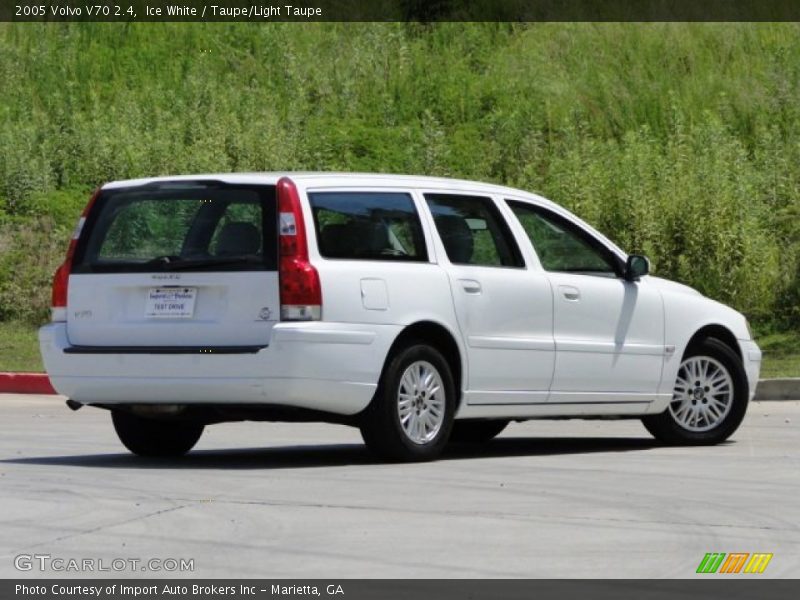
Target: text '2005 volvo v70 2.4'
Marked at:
418, 309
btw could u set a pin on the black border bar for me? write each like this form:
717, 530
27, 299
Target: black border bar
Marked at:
707, 588
419, 11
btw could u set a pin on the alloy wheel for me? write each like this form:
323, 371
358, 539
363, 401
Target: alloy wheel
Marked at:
421, 402
703, 394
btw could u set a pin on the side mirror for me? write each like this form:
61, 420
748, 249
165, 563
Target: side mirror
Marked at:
636, 266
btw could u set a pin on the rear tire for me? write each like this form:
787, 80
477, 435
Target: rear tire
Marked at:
709, 399
411, 415
476, 432
155, 437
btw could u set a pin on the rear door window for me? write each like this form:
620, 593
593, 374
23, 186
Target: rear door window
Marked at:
473, 231
194, 227
368, 226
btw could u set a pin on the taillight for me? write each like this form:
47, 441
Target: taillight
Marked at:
58, 305
301, 292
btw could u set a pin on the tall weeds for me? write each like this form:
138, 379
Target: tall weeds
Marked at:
678, 140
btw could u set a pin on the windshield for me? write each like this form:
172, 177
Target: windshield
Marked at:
165, 228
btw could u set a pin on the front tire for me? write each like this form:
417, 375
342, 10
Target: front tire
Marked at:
155, 438
709, 399
411, 415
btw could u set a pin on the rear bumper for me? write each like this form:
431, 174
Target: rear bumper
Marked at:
751, 357
330, 367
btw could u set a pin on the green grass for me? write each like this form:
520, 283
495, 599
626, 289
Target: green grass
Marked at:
19, 351
678, 140
19, 348
781, 355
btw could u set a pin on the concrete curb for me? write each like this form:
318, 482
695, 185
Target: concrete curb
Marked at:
778, 389
39, 383
25, 383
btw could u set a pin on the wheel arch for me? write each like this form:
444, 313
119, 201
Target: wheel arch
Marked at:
717, 331
441, 338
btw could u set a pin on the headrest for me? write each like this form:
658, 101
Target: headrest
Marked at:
456, 237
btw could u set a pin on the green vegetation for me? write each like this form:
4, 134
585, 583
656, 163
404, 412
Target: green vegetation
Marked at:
781, 354
19, 348
677, 140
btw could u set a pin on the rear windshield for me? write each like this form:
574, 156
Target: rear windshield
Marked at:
208, 227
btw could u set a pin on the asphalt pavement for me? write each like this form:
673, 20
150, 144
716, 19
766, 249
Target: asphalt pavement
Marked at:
546, 499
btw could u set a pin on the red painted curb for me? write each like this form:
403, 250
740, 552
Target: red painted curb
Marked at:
25, 383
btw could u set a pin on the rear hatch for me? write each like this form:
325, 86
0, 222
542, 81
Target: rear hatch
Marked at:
176, 264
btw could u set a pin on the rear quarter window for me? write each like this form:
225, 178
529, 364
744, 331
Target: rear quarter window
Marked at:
368, 226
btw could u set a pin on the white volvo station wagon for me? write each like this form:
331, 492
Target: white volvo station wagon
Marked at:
421, 310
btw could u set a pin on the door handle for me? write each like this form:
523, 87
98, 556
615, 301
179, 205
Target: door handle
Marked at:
570, 293
470, 286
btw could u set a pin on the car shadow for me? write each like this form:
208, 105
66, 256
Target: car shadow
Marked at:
337, 455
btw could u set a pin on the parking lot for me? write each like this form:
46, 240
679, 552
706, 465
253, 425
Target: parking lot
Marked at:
546, 499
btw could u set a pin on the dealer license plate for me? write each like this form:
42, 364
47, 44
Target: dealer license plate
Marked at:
170, 303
